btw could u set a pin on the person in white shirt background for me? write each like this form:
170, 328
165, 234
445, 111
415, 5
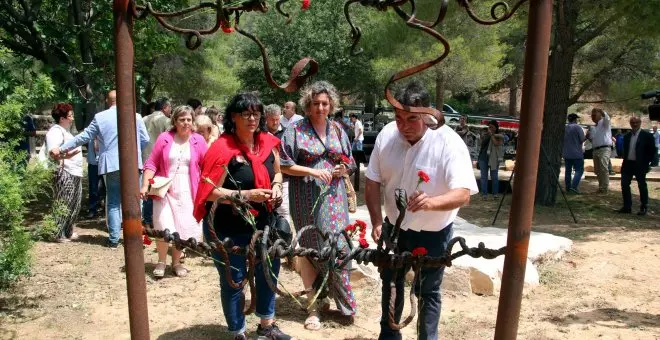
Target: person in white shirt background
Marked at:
67, 189
601, 139
289, 115
402, 149
358, 132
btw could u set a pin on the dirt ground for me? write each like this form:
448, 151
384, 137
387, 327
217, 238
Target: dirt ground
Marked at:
606, 288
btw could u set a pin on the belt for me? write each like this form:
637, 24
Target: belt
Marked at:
602, 146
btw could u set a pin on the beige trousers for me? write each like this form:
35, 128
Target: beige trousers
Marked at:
601, 162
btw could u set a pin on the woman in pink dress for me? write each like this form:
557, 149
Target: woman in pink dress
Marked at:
177, 154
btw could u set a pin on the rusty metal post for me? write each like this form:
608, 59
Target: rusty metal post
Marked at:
527, 160
129, 175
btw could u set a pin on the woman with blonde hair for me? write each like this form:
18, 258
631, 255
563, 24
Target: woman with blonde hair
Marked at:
178, 155
205, 127
316, 153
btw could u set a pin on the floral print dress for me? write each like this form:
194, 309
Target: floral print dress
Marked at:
301, 145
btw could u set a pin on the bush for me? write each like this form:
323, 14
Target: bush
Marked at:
18, 184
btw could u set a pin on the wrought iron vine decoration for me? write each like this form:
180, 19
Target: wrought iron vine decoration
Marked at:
228, 11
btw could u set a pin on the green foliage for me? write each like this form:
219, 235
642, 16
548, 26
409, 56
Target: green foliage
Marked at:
18, 184
321, 33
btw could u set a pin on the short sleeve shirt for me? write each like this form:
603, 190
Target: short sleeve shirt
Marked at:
440, 153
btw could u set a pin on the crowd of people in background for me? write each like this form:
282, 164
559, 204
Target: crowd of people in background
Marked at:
290, 168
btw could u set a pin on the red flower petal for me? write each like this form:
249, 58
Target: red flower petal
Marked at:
363, 243
350, 227
254, 212
419, 251
361, 224
151, 181
146, 240
423, 176
306, 4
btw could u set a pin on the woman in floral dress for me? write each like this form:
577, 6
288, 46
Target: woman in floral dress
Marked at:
316, 153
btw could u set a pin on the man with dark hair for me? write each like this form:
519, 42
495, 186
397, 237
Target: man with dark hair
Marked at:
573, 156
462, 128
638, 152
358, 133
196, 104
403, 149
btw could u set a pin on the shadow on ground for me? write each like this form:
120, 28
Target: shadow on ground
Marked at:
198, 332
610, 317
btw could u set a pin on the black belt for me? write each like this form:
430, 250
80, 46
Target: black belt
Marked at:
602, 146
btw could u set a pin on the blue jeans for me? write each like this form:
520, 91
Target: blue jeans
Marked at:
494, 176
431, 278
113, 204
357, 145
230, 298
148, 211
578, 166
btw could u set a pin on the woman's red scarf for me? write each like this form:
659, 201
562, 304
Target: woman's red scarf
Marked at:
221, 153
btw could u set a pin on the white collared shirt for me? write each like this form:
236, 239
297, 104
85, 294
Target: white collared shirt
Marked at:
602, 132
440, 153
287, 122
632, 153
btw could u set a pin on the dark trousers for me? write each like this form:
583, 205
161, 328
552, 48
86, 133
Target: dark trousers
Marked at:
628, 170
96, 188
431, 278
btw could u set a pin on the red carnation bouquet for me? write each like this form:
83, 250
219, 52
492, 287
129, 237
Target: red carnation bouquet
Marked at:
361, 227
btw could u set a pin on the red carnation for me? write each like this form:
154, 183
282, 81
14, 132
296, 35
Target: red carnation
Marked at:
226, 27
345, 159
151, 181
423, 176
419, 251
350, 228
306, 4
146, 240
254, 212
363, 243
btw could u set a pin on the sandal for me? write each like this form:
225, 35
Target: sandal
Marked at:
159, 270
179, 270
313, 322
324, 305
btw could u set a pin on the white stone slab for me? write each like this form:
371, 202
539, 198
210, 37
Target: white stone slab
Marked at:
479, 276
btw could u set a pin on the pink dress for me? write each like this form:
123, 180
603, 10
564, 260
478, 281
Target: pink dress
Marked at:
175, 210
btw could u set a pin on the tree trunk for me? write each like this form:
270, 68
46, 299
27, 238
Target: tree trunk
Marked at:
557, 101
370, 103
85, 87
513, 95
439, 88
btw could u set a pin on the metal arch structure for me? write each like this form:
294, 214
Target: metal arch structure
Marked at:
228, 14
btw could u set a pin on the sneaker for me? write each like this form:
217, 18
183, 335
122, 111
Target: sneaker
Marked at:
496, 197
113, 245
271, 332
574, 191
240, 337
90, 215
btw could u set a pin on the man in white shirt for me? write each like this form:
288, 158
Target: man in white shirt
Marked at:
402, 149
358, 132
289, 117
601, 139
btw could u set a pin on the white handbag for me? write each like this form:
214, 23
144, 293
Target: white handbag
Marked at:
160, 186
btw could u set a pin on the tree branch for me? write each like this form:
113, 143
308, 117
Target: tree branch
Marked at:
597, 76
584, 37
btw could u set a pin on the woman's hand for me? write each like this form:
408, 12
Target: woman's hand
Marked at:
143, 192
276, 198
259, 195
324, 175
339, 170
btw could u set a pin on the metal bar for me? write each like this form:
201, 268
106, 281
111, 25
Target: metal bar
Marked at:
129, 175
522, 208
